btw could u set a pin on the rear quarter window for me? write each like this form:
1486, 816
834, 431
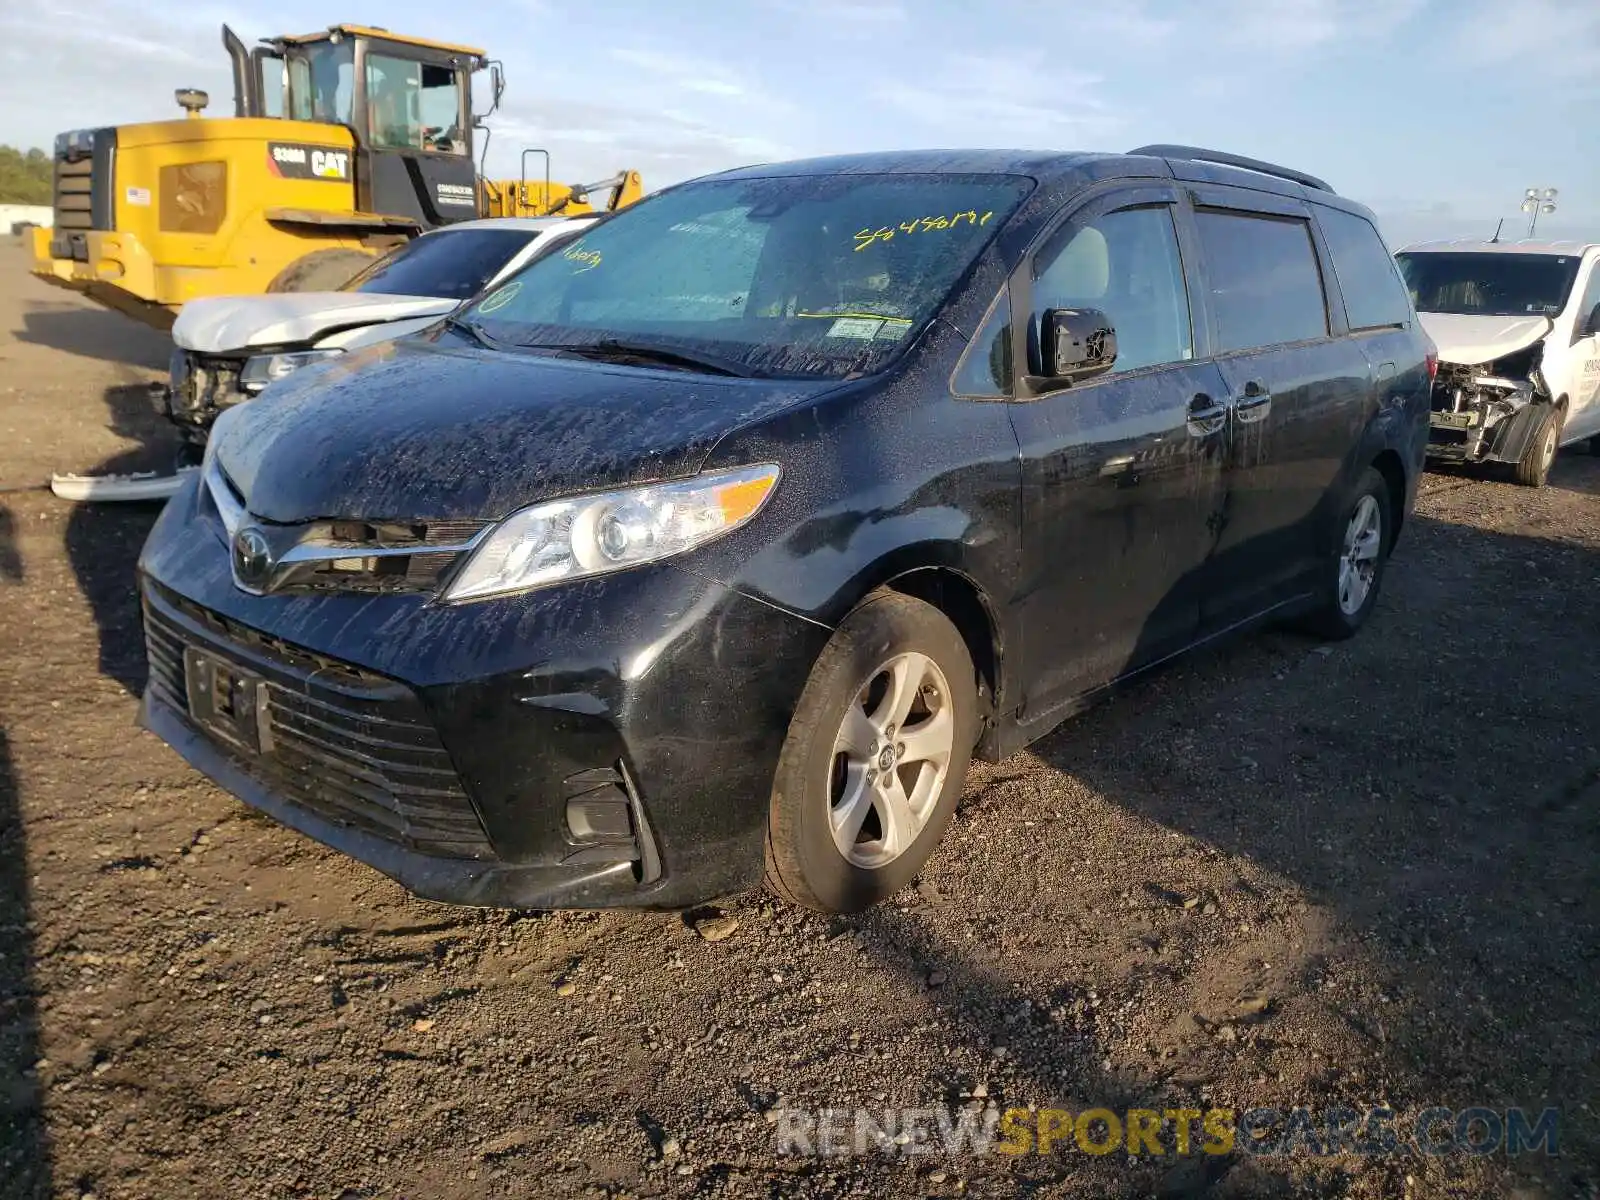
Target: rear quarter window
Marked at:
1374, 295
1265, 286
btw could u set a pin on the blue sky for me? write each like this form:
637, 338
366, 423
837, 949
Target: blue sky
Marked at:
1437, 113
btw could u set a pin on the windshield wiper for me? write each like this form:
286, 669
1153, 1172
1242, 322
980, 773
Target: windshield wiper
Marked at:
474, 331
616, 350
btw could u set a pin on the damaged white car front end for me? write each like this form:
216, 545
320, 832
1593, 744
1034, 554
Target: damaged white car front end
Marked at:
1517, 328
1488, 378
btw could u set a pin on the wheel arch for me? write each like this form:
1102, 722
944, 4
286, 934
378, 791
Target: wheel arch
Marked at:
960, 599
1389, 464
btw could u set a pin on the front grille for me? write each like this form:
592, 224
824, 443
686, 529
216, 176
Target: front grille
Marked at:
419, 571
74, 203
351, 746
83, 199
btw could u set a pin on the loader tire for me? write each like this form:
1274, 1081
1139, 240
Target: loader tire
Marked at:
319, 271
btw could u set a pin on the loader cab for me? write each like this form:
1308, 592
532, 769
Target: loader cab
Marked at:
407, 103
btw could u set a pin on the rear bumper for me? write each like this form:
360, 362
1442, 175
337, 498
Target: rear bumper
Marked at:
110, 267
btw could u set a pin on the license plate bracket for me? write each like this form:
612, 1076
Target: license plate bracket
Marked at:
228, 702
1462, 420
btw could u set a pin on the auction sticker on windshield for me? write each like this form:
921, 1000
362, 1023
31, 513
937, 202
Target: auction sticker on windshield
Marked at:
855, 327
501, 298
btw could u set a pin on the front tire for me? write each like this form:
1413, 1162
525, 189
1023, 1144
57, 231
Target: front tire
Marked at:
1354, 573
875, 759
1534, 467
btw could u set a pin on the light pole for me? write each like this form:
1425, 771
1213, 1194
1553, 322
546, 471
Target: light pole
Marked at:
1534, 202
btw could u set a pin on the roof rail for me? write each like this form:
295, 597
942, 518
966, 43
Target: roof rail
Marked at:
1199, 154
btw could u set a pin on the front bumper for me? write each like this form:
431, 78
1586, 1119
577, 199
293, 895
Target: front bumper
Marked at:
1482, 419
608, 743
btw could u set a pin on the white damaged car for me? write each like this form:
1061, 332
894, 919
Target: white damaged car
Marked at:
228, 348
1517, 326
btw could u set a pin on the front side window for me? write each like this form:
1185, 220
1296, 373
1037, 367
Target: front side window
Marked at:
1488, 283
804, 275
1374, 297
985, 369
1265, 287
321, 82
1127, 265
1591, 299
413, 106
452, 264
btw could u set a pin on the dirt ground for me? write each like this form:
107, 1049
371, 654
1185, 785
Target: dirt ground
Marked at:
1276, 875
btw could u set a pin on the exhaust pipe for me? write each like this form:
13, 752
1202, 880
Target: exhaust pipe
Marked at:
245, 102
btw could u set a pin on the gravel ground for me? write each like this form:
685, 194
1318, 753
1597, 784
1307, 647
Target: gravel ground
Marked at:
1277, 874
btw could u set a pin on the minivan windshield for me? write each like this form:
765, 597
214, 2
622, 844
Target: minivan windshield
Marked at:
448, 265
800, 275
1488, 284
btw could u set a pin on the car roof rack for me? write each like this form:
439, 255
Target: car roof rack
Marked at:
1222, 158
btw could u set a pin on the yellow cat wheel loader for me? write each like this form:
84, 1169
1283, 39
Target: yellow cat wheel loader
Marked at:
342, 145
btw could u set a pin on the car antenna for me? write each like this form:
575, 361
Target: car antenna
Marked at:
1496, 238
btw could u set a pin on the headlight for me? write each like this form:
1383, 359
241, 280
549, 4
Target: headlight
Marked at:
581, 536
266, 368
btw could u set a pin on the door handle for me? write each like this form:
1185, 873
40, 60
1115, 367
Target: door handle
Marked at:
1254, 405
1205, 416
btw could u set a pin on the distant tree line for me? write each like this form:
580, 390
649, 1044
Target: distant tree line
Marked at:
25, 177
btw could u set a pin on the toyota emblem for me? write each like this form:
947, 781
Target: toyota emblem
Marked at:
252, 556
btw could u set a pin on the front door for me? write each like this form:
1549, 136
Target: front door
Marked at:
415, 145
1298, 397
1583, 402
1122, 473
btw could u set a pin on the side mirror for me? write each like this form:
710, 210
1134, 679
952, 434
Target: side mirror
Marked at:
1592, 325
497, 87
1077, 343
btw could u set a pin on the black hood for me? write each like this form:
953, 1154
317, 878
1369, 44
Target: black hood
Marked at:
417, 431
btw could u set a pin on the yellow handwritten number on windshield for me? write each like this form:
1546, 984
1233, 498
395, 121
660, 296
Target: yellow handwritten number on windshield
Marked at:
868, 237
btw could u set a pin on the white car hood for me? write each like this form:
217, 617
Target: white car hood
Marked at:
1470, 340
219, 324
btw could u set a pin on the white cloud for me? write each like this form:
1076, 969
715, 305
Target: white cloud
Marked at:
1129, 24
1028, 100
1296, 26
1560, 39
141, 57
687, 74
592, 140
846, 16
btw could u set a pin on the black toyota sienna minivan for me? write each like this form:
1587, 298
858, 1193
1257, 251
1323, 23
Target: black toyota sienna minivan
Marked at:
712, 547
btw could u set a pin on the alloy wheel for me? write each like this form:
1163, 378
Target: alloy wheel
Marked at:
1358, 564
890, 760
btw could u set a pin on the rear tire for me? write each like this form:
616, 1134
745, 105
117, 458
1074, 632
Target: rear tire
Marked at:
1354, 571
875, 759
320, 271
1533, 469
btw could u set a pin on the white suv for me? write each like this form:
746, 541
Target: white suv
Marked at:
1517, 326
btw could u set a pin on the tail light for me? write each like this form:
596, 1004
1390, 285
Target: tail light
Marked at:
1433, 365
